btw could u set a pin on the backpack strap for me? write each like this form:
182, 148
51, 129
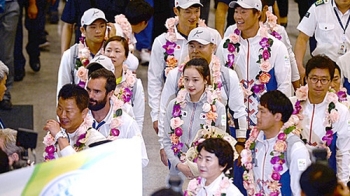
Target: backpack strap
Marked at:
74, 55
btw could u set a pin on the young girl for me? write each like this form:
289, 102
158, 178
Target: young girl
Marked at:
215, 158
195, 107
129, 88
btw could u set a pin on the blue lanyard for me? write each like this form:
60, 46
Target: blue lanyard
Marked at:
341, 24
99, 124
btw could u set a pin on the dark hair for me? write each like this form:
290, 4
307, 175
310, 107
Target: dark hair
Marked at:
72, 91
194, 5
201, 65
267, 2
320, 62
277, 102
108, 75
318, 180
4, 162
137, 11
120, 39
222, 150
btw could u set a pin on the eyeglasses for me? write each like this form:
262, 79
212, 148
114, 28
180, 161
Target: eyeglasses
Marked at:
322, 80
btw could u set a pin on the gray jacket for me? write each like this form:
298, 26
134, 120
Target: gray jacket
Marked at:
192, 115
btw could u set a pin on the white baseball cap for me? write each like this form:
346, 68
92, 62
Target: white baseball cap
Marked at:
100, 61
202, 35
184, 4
247, 4
91, 15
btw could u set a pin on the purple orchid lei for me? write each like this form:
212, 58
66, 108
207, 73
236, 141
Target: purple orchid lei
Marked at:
232, 44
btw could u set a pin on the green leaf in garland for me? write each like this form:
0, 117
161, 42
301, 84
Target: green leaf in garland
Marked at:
270, 41
289, 129
226, 43
252, 146
119, 112
331, 106
237, 47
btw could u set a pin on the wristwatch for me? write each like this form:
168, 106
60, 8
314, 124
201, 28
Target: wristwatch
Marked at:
61, 134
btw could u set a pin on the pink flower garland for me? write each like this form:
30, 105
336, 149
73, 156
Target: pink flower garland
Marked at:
195, 186
122, 95
124, 24
232, 44
82, 132
331, 112
277, 161
176, 122
272, 24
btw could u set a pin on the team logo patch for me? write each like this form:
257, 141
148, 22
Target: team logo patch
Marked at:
307, 14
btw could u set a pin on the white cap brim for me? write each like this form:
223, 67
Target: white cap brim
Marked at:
243, 5
202, 41
93, 20
189, 4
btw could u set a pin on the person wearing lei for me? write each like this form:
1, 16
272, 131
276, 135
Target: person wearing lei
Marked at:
215, 159
129, 89
195, 107
260, 60
274, 157
110, 117
323, 121
280, 33
224, 81
336, 85
170, 48
93, 27
73, 132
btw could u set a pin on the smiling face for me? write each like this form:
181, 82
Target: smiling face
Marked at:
188, 17
69, 114
95, 32
116, 52
246, 19
318, 90
208, 165
194, 83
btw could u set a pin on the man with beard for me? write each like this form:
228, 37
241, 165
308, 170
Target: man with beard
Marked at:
109, 115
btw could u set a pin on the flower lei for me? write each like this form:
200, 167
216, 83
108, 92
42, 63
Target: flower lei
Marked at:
84, 56
195, 185
331, 112
83, 133
175, 122
170, 44
124, 24
277, 161
232, 44
122, 95
272, 24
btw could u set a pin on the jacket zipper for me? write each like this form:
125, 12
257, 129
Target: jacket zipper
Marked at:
312, 119
248, 54
191, 122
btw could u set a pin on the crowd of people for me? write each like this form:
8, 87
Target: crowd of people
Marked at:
245, 81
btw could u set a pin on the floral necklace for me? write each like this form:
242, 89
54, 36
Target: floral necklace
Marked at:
277, 161
124, 24
175, 122
170, 44
343, 97
272, 25
82, 133
331, 112
195, 185
232, 44
122, 95
84, 54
